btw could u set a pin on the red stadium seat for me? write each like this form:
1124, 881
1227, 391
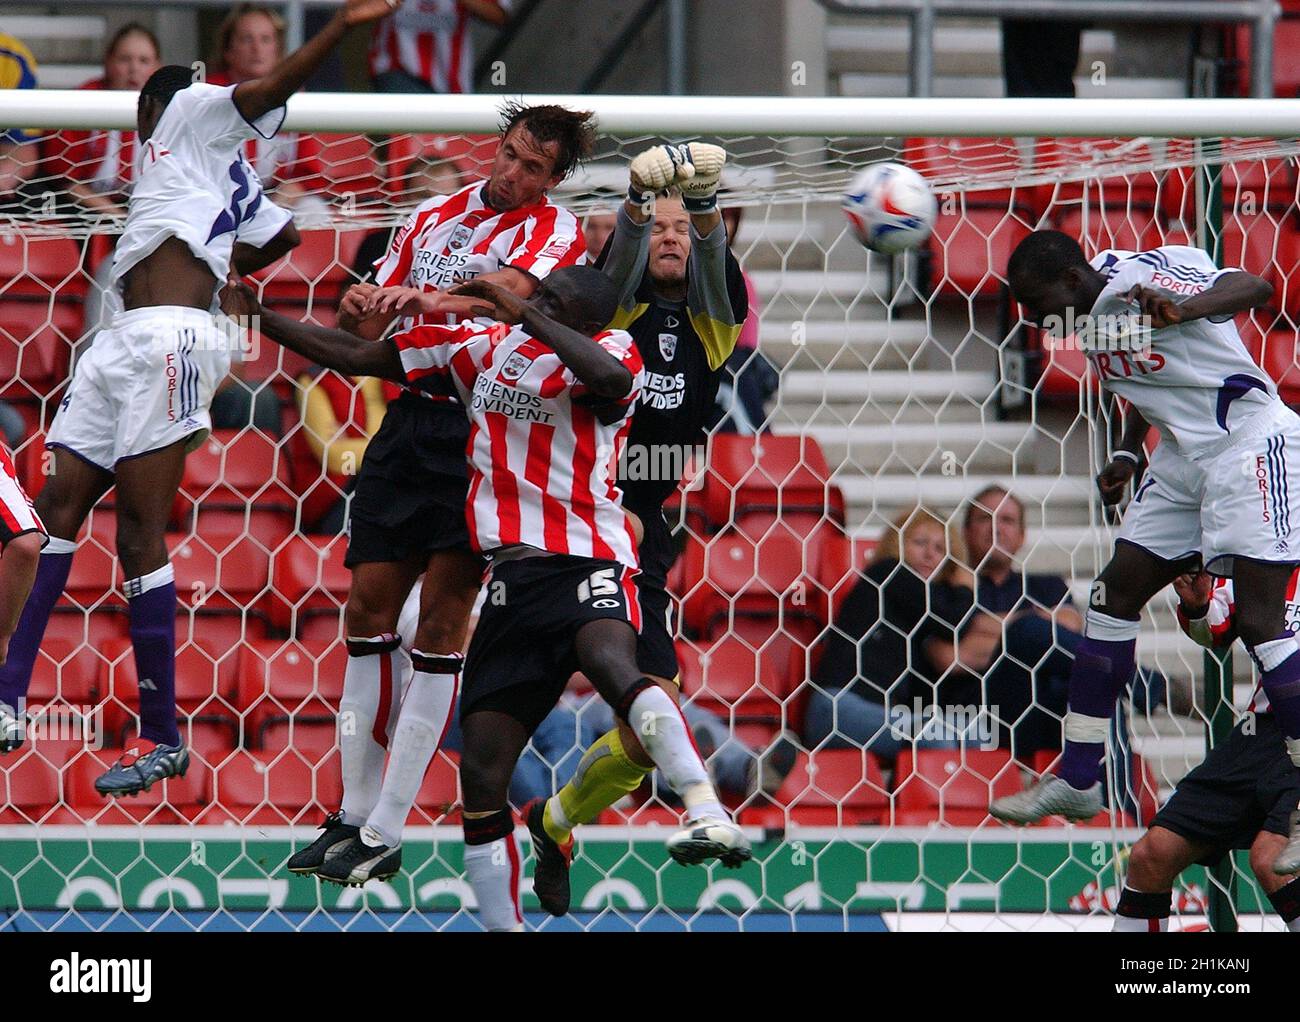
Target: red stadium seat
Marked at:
82, 628
283, 679
349, 165
766, 473
965, 159
308, 579
1115, 191
827, 788
1134, 229
951, 786
37, 267
272, 788
216, 574
205, 677
269, 527
30, 782
36, 340
312, 739
315, 272
233, 468
969, 250
733, 679
65, 672
1282, 362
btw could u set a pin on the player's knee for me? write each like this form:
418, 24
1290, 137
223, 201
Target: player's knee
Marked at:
1262, 854
441, 632
483, 782
1148, 864
24, 552
365, 616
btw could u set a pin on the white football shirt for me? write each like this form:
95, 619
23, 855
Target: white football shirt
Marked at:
1197, 382
193, 182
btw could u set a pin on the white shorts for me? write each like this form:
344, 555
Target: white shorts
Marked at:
146, 382
17, 516
1237, 503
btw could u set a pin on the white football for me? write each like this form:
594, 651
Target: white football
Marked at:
889, 207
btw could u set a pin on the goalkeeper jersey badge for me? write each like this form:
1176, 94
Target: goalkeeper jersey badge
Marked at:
460, 237
668, 346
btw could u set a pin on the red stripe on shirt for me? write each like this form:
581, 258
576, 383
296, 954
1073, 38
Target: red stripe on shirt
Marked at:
454, 83
504, 486
537, 471
583, 500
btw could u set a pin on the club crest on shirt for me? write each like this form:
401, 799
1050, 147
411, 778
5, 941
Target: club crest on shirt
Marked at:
668, 346
515, 366
460, 237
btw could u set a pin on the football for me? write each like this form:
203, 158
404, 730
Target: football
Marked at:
889, 207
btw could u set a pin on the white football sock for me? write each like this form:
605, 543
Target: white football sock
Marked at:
664, 734
493, 871
421, 725
367, 712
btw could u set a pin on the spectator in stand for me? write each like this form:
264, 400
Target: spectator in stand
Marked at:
339, 416
906, 631
425, 46
751, 380
19, 153
1027, 683
596, 229
250, 42
98, 164
426, 175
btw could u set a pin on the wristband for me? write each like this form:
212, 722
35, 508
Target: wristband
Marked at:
1126, 456
639, 198
703, 204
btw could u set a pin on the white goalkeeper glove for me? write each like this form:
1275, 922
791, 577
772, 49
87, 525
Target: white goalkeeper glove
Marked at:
693, 167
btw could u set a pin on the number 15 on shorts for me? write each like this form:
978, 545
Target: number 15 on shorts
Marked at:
598, 587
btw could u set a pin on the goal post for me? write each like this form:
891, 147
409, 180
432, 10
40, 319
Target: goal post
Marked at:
904, 384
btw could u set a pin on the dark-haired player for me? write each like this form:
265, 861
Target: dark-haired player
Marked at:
682, 298
407, 514
549, 391
139, 398
1158, 330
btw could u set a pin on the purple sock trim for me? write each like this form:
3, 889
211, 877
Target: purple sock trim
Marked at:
16, 673
1081, 763
153, 637
1282, 686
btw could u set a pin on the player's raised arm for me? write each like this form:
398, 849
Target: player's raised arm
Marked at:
247, 258
1230, 294
560, 298
1126, 459
260, 95
333, 349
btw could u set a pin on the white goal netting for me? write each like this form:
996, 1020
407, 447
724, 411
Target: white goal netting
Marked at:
906, 388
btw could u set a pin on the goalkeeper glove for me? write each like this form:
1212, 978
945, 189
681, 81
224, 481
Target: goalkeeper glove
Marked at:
694, 167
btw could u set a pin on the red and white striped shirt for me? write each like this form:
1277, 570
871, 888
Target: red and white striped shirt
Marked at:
450, 239
541, 462
1218, 627
17, 515
429, 40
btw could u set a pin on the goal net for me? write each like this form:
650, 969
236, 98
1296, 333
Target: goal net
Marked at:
904, 389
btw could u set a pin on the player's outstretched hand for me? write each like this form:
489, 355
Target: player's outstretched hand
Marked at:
1194, 590
359, 12
1158, 307
1113, 479
355, 300
496, 301
701, 186
238, 300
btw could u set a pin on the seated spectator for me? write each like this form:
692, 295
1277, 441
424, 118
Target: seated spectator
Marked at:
906, 631
751, 380
426, 176
596, 229
1028, 683
339, 416
19, 152
98, 164
250, 42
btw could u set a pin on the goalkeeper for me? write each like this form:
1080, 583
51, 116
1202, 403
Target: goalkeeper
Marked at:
682, 298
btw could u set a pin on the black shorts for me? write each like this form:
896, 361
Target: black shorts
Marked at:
1245, 785
410, 493
655, 651
522, 654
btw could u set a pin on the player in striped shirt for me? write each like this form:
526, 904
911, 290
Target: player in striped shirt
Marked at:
1244, 794
548, 401
21, 538
407, 514
426, 48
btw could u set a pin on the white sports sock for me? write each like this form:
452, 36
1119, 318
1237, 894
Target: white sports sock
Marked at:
367, 713
493, 871
1127, 924
664, 734
421, 725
